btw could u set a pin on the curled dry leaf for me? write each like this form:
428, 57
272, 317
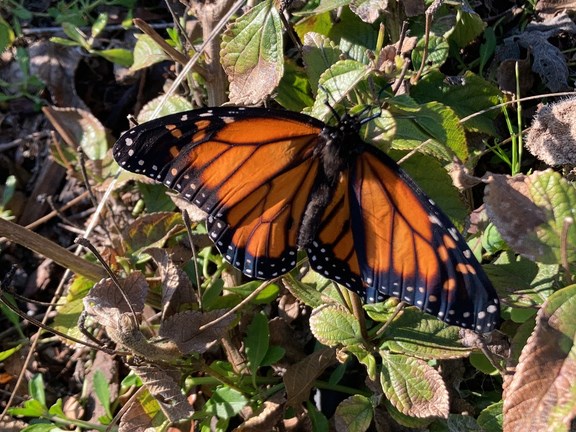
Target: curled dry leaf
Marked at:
106, 303
540, 396
533, 214
552, 137
368, 10
56, 65
108, 307
163, 386
299, 378
269, 414
551, 7
185, 329
177, 290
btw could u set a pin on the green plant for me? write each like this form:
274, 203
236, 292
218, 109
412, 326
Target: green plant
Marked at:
77, 38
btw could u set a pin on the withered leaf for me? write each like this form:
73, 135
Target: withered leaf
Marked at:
56, 65
177, 290
184, 329
552, 136
163, 386
540, 396
531, 212
299, 378
269, 414
106, 303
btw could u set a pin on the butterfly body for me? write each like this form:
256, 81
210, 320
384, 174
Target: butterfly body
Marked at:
273, 182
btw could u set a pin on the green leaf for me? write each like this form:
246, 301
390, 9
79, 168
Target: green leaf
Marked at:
487, 48
319, 421
65, 42
6, 35
252, 54
67, 319
102, 390
155, 197
492, 241
334, 326
352, 29
10, 314
294, 90
321, 23
120, 56
336, 82
438, 49
147, 52
304, 290
265, 296
174, 104
319, 53
257, 341
9, 352
83, 128
151, 230
473, 96
524, 283
434, 124
56, 410
491, 418
273, 355
469, 25
354, 414
99, 24
424, 336
413, 387
364, 357
76, 35
225, 403
31, 408
37, 390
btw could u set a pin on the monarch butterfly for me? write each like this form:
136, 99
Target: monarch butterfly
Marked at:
275, 181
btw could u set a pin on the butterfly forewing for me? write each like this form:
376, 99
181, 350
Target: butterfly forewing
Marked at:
214, 158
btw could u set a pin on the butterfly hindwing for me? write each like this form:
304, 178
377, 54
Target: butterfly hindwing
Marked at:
332, 253
408, 248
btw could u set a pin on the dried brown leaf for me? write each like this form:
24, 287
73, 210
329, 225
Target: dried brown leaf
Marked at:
368, 10
163, 385
56, 65
510, 207
271, 412
106, 303
552, 137
177, 290
184, 329
541, 394
256, 85
299, 378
